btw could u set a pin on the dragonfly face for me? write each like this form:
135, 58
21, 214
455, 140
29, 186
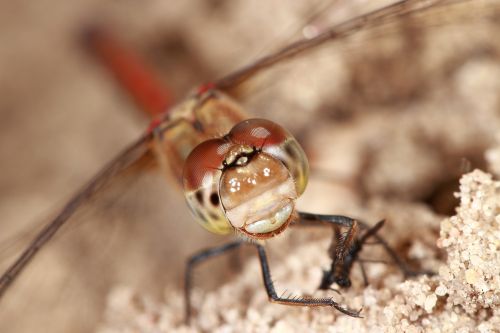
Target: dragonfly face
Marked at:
248, 180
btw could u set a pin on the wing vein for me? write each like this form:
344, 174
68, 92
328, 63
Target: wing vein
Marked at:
125, 159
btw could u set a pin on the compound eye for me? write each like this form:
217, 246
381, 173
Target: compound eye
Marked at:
201, 178
274, 140
203, 162
258, 133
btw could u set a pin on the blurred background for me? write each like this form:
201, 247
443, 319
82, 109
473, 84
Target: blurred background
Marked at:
394, 114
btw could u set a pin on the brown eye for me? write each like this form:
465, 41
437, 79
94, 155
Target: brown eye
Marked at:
257, 133
202, 172
204, 162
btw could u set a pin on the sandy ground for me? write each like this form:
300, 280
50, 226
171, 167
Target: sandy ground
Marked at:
463, 297
389, 123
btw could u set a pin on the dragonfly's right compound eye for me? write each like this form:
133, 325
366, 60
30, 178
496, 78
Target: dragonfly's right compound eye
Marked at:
248, 180
201, 177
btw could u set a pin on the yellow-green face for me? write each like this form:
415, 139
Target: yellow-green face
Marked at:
246, 181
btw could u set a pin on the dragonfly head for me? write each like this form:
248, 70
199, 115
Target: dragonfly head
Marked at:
255, 173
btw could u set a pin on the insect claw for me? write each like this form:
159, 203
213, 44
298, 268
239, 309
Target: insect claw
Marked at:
352, 313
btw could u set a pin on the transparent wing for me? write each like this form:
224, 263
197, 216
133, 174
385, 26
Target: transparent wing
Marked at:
118, 229
406, 21
70, 270
129, 157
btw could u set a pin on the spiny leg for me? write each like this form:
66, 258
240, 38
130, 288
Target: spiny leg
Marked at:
344, 240
361, 263
339, 273
345, 245
350, 251
375, 261
363, 273
297, 301
398, 261
311, 219
194, 260
363, 240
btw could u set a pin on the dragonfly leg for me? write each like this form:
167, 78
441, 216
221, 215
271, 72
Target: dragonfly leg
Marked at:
398, 261
196, 259
348, 247
339, 271
343, 250
345, 241
297, 301
363, 273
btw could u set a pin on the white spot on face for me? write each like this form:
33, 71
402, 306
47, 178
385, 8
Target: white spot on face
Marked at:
267, 172
235, 185
251, 180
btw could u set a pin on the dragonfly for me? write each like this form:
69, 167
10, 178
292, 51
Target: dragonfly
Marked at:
163, 133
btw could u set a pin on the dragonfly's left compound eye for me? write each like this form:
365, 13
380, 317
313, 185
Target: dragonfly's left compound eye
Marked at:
253, 176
